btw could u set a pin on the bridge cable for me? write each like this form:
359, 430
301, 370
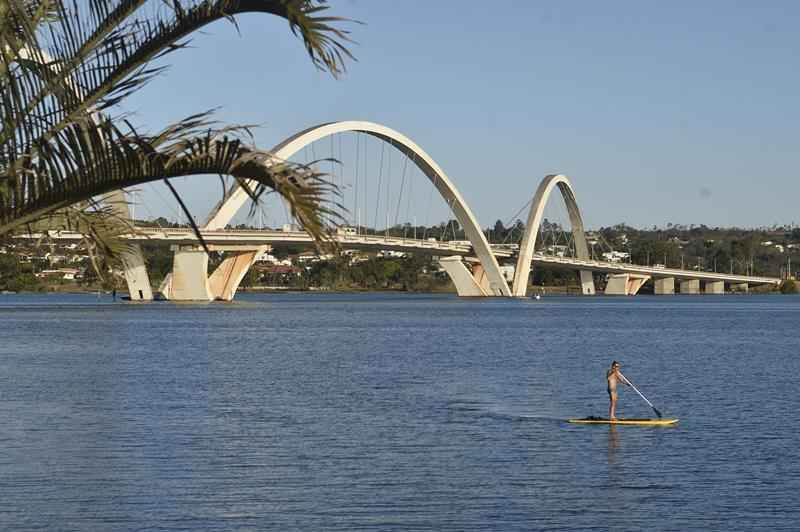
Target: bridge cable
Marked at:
165, 202
388, 186
313, 158
443, 236
430, 198
378, 193
514, 217
341, 168
355, 188
366, 184
402, 187
150, 213
427, 213
410, 191
332, 192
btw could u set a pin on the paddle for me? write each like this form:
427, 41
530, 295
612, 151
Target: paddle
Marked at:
640, 394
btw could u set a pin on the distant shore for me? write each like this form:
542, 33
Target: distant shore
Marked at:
532, 290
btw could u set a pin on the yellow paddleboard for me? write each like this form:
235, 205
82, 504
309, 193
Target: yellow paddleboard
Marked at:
621, 421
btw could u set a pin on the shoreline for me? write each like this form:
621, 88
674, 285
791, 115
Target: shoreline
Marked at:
533, 291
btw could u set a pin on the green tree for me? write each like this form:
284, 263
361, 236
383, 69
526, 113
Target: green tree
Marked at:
9, 266
23, 282
788, 287
65, 65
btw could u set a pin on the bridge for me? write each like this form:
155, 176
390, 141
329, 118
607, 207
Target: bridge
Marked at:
628, 277
474, 268
665, 278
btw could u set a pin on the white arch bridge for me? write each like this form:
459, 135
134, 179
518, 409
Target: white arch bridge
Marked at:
474, 268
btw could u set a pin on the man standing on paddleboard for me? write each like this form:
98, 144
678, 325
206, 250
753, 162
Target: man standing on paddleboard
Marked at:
613, 376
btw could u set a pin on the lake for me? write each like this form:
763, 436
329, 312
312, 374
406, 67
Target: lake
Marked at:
316, 411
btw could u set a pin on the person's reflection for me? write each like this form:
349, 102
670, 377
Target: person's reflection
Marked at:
613, 443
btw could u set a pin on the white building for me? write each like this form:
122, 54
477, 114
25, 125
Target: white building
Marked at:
346, 231
267, 258
558, 251
508, 272
389, 254
312, 257
69, 274
616, 256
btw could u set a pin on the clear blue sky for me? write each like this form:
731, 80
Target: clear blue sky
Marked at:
682, 112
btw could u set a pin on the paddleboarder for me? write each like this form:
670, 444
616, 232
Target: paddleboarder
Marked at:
614, 377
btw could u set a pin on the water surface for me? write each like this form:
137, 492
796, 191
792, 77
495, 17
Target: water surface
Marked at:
396, 412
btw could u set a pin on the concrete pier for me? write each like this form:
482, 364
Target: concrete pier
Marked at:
664, 286
740, 287
225, 280
136, 277
189, 280
715, 287
587, 283
624, 284
462, 277
690, 286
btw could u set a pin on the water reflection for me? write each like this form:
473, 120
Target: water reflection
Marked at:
613, 444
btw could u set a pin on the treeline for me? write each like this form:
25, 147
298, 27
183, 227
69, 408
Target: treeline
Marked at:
767, 251
773, 252
415, 273
21, 276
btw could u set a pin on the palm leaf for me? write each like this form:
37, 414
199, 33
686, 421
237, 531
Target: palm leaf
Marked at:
90, 159
61, 63
106, 52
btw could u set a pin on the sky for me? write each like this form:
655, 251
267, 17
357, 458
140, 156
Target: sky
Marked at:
679, 112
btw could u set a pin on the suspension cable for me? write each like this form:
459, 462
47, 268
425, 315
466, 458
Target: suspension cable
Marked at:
402, 187
365, 179
175, 212
378, 193
410, 188
355, 188
514, 217
387, 208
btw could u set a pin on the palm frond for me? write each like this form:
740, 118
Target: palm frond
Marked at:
94, 61
62, 63
89, 159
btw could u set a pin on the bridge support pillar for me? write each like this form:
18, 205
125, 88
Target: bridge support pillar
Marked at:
740, 287
133, 264
664, 286
463, 279
624, 284
690, 286
165, 288
225, 280
587, 283
480, 276
715, 287
189, 280
136, 275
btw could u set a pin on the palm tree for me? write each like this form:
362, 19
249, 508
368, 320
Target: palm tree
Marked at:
66, 65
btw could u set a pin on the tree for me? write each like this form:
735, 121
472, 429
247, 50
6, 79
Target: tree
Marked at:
499, 231
788, 287
65, 65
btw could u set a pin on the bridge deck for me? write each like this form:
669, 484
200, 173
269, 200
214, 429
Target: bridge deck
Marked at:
231, 238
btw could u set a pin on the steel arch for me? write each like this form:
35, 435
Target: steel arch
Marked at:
227, 208
528, 243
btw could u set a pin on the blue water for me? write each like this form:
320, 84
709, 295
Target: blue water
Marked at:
397, 412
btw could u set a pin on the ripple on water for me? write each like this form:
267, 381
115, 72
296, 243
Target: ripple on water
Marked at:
395, 412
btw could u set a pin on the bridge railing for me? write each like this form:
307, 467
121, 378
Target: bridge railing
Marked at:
457, 248
654, 270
